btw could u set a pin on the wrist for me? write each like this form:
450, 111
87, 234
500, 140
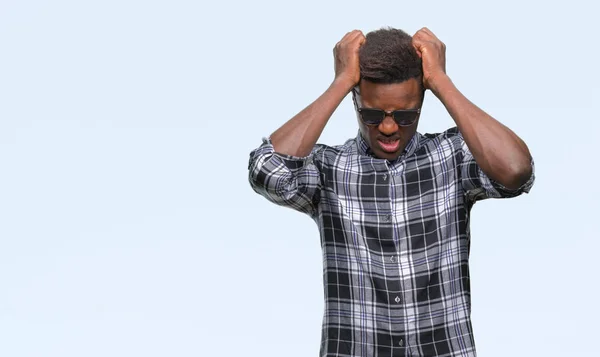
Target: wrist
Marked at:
344, 84
440, 83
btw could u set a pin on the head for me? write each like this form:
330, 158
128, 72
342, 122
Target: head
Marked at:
391, 80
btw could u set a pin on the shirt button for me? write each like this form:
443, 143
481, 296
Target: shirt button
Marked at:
393, 259
397, 299
384, 177
401, 342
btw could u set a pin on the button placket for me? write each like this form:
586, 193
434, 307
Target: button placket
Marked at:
398, 170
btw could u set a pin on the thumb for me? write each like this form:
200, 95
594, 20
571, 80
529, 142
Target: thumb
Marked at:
418, 45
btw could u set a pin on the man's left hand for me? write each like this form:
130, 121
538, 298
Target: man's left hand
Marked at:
433, 54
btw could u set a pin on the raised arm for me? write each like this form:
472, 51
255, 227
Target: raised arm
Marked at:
281, 169
298, 136
498, 151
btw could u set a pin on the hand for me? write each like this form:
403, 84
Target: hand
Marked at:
433, 55
345, 53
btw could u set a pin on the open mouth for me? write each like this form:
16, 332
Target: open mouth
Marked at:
389, 146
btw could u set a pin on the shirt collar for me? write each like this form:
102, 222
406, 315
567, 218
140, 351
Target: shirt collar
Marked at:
411, 147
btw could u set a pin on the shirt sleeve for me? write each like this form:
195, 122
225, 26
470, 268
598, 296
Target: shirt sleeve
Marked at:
478, 186
289, 181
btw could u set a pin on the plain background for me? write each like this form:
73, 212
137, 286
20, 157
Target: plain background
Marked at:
127, 225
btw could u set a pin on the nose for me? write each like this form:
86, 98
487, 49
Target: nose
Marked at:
388, 126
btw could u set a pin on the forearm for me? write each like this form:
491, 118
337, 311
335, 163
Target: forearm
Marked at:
298, 136
500, 153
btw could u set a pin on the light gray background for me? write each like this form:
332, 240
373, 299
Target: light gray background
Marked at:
128, 228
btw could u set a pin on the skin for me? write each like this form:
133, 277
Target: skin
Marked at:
389, 97
299, 135
500, 153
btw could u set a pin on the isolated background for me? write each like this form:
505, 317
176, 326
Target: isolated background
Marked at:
128, 228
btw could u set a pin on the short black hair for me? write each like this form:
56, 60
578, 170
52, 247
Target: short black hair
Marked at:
388, 56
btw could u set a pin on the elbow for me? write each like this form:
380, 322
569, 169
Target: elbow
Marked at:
517, 175
257, 179
258, 170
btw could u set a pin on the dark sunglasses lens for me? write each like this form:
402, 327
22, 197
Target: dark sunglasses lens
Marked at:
372, 116
405, 117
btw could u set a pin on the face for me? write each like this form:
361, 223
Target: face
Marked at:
388, 139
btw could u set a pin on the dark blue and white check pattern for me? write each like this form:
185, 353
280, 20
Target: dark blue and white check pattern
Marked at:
395, 240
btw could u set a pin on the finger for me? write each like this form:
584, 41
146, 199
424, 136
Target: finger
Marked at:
352, 40
419, 52
431, 34
351, 33
362, 39
418, 33
418, 45
418, 41
423, 35
341, 42
354, 35
346, 36
358, 39
428, 31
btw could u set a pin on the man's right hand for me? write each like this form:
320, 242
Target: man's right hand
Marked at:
298, 136
345, 53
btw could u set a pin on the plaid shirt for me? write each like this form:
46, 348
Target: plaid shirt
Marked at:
394, 236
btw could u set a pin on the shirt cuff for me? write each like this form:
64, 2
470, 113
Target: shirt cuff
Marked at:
492, 185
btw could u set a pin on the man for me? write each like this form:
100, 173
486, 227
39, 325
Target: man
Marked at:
392, 205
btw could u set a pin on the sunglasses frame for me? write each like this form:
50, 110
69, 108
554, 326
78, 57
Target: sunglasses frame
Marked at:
416, 111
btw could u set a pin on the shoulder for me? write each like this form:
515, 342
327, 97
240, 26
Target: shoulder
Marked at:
349, 147
448, 144
449, 138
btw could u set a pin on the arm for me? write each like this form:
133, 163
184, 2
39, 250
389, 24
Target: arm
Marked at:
500, 153
288, 181
282, 169
299, 135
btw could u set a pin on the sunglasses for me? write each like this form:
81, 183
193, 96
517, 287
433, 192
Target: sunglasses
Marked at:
369, 116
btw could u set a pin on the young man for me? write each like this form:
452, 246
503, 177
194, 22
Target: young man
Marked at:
392, 205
